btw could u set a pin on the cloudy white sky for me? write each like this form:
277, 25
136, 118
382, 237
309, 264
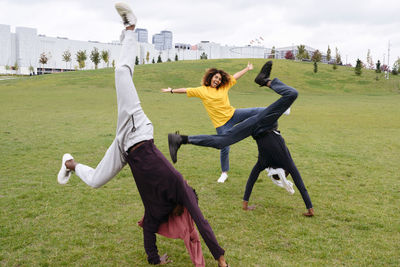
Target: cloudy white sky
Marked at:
353, 26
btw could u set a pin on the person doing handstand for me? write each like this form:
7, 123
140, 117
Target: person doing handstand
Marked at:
160, 185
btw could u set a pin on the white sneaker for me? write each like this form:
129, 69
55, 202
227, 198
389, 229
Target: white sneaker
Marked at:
282, 182
222, 178
126, 13
64, 174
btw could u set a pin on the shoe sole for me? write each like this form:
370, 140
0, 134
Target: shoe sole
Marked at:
266, 65
171, 147
260, 79
123, 8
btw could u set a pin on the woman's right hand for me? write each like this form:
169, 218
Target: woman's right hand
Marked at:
167, 90
164, 259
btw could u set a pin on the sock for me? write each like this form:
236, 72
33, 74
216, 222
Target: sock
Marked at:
185, 139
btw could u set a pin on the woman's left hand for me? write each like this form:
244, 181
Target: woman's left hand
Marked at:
167, 90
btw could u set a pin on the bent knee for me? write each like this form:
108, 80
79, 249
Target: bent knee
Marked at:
122, 70
293, 94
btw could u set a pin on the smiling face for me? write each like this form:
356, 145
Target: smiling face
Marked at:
216, 80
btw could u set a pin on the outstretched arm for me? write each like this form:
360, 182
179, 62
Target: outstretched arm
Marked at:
239, 74
174, 91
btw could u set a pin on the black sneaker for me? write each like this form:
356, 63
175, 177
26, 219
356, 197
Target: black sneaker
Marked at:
263, 77
174, 143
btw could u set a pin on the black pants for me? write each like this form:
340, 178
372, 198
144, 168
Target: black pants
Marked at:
273, 152
265, 120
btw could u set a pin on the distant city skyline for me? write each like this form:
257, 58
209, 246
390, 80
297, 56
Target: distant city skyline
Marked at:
351, 26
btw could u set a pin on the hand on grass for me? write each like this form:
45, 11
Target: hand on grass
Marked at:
164, 259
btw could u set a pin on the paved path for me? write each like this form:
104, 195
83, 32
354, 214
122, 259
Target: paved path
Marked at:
6, 78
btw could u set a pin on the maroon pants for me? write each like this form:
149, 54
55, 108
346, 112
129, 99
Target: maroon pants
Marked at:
161, 188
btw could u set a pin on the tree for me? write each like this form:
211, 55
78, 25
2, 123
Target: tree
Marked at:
31, 70
358, 67
95, 57
113, 64
397, 63
301, 52
272, 55
159, 59
306, 55
137, 60
66, 57
168, 60
334, 65
328, 54
153, 61
289, 55
396, 67
147, 56
338, 59
203, 56
43, 60
105, 55
378, 67
16, 67
370, 62
315, 67
81, 58
316, 57
176, 57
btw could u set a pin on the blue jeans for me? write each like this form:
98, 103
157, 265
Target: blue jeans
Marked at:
238, 116
256, 125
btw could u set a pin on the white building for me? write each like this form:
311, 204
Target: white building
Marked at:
24, 47
280, 52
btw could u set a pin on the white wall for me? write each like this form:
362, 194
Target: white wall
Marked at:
25, 47
5, 45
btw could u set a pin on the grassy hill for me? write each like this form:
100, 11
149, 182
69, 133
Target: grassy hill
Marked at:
343, 134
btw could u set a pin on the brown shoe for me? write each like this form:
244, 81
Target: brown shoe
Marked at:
309, 213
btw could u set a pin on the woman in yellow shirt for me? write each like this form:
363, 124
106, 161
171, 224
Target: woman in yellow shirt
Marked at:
214, 95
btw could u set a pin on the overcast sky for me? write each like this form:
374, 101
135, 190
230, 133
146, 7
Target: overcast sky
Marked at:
353, 26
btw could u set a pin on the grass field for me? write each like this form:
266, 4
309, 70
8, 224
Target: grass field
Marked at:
343, 133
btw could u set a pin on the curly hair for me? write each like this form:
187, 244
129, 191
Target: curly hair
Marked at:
211, 72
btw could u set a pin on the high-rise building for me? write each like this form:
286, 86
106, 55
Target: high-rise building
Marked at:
158, 41
142, 35
167, 39
163, 40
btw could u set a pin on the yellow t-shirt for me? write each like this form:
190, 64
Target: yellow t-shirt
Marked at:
215, 101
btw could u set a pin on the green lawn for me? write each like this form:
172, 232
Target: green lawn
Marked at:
343, 133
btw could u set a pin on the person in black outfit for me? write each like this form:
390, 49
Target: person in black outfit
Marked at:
273, 153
